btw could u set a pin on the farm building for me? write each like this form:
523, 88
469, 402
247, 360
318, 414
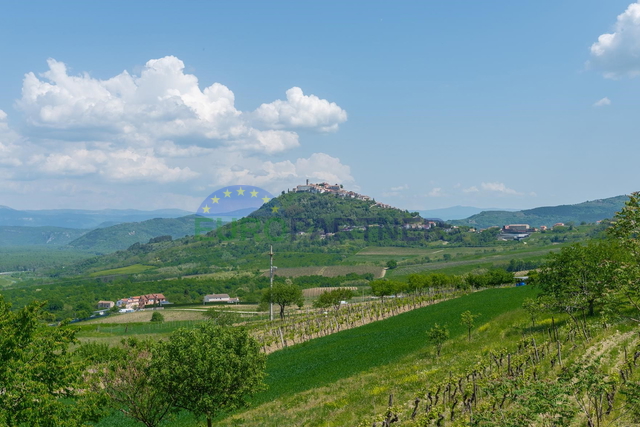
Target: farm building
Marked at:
219, 298
106, 304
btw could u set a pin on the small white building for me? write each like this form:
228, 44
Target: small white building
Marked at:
216, 298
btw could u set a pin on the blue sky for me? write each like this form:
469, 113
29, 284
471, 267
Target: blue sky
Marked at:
421, 105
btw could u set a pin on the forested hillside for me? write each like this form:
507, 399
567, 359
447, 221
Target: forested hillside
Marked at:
28, 236
122, 236
588, 212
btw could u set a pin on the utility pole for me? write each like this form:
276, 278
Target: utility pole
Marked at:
271, 283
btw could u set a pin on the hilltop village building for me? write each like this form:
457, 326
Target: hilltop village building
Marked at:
325, 187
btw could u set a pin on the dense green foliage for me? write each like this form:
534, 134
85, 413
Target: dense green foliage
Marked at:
66, 299
333, 298
588, 212
209, 370
39, 258
40, 383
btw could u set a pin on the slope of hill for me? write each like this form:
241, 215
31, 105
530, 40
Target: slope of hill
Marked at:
80, 219
122, 236
29, 236
457, 212
589, 212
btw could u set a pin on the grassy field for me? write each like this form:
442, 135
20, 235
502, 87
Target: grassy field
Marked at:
330, 271
132, 269
461, 264
145, 316
6, 281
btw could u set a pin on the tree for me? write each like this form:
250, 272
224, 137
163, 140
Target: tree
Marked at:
391, 264
535, 306
437, 336
467, 319
284, 294
625, 230
209, 370
333, 298
40, 382
157, 317
382, 288
127, 380
577, 277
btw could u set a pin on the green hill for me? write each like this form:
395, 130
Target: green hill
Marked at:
588, 212
294, 223
11, 236
122, 236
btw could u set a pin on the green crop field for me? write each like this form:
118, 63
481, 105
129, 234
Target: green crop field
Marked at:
132, 269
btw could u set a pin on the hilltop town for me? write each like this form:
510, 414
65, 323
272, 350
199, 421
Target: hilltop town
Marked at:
338, 190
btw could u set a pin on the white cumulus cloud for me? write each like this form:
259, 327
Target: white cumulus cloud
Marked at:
498, 187
164, 102
603, 102
122, 136
617, 54
277, 175
301, 111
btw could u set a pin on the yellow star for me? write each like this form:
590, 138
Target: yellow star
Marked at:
254, 193
227, 193
275, 209
240, 192
265, 199
206, 209
215, 199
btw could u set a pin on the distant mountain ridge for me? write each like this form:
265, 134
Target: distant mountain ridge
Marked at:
590, 212
79, 218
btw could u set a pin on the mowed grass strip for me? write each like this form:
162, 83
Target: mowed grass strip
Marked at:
322, 361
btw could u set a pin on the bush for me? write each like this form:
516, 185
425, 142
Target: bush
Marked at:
157, 317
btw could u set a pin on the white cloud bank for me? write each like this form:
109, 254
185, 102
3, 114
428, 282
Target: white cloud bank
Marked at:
165, 103
158, 127
617, 54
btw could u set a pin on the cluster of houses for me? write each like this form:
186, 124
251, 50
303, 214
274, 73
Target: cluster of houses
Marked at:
134, 303
127, 305
325, 187
521, 231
